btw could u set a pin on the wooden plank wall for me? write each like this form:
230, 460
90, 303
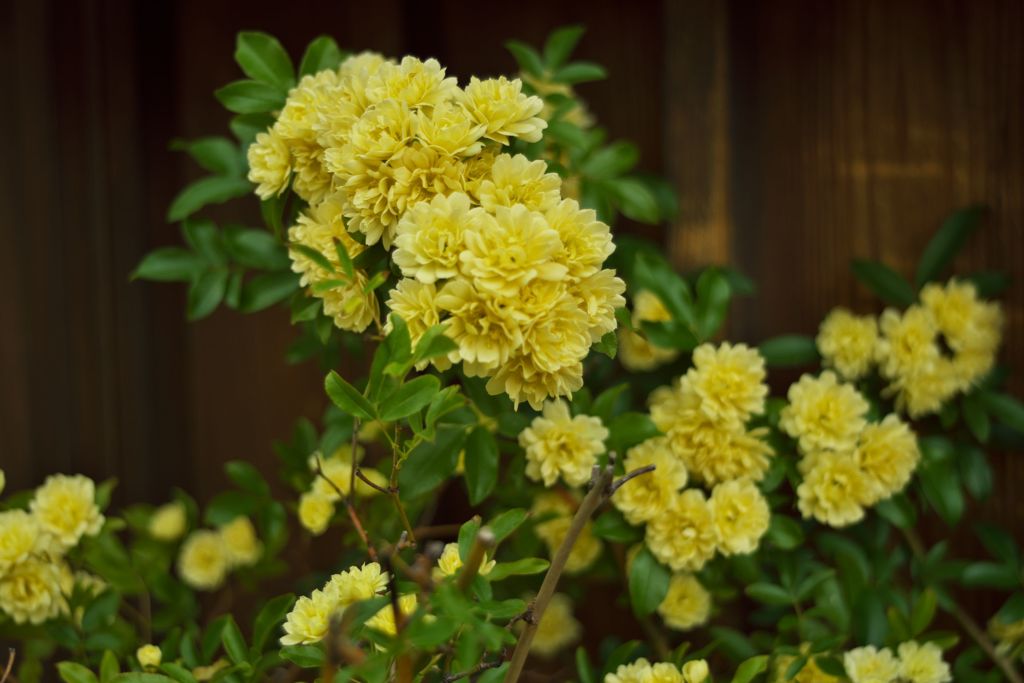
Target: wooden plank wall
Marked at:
799, 133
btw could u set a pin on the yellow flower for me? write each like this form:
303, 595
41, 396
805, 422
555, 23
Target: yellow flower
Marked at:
31, 592
971, 328
810, 673
921, 377
871, 665
301, 116
449, 128
741, 516
19, 538
505, 253
415, 83
586, 241
416, 304
648, 495
516, 180
696, 671
430, 236
598, 296
310, 177
169, 522
558, 444
337, 475
318, 228
351, 306
638, 671
203, 562
683, 536
834, 489
484, 327
636, 352
558, 628
315, 512
240, 542
888, 454
450, 562
824, 413
500, 106
729, 380
554, 513
922, 663
149, 656
686, 605
3, 481
384, 620
847, 342
309, 619
269, 164
65, 507
357, 583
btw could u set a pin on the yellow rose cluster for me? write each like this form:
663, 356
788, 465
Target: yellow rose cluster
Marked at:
928, 353
310, 618
397, 153
913, 663
35, 579
847, 463
642, 671
207, 556
560, 445
703, 416
316, 506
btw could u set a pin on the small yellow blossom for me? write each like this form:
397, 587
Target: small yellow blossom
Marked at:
923, 663
149, 656
240, 542
384, 620
450, 562
65, 507
554, 514
501, 107
638, 671
309, 619
847, 342
834, 489
599, 295
169, 522
315, 512
485, 329
449, 128
824, 413
683, 536
870, 665
888, 454
412, 81
357, 583
430, 236
558, 628
558, 444
31, 592
19, 538
203, 561
686, 605
696, 671
646, 496
517, 181
921, 376
636, 352
729, 380
586, 241
741, 516
269, 164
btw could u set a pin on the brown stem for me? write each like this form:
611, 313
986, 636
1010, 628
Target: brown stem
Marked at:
966, 621
405, 518
10, 665
482, 542
631, 475
352, 514
363, 478
590, 503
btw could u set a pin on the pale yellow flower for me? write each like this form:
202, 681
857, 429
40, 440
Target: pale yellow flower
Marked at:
729, 380
586, 241
648, 495
741, 516
350, 306
384, 620
430, 236
500, 106
485, 328
824, 413
560, 445
555, 514
310, 178
870, 665
19, 538
337, 475
149, 656
638, 671
451, 129
696, 671
269, 164
240, 542
515, 180
416, 304
686, 605
635, 351
309, 619
31, 591
315, 512
683, 536
320, 227
357, 583
302, 113
558, 628
65, 507
599, 295
921, 376
203, 561
971, 328
414, 82
3, 481
834, 489
888, 454
450, 562
923, 663
169, 522
847, 342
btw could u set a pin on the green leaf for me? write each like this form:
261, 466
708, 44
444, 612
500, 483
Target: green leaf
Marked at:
923, 613
345, 396
1004, 408
989, 283
750, 668
635, 199
204, 238
975, 471
831, 665
612, 526
796, 667
321, 54
270, 618
139, 677
100, 611
206, 292
503, 524
991, 575
250, 97
785, 532
941, 487
769, 593
579, 72
263, 59
255, 248
999, 543
884, 281
629, 429
648, 583
789, 350
204, 192
267, 289
584, 671
611, 161
245, 127
734, 644
247, 477
713, 296
560, 45
567, 134
169, 264
216, 154
72, 672
304, 656
527, 58
433, 343
424, 633
177, 672
394, 355
944, 246
482, 461
234, 643
409, 398
976, 417
523, 567
109, 666
898, 511
430, 463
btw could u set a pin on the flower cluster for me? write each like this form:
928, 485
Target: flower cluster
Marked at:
333, 480
913, 663
35, 579
399, 154
704, 419
642, 671
848, 464
208, 555
311, 616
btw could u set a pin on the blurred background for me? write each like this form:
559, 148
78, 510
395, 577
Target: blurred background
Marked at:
798, 134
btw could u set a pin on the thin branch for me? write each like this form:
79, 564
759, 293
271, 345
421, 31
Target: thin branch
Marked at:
350, 509
591, 501
10, 665
363, 478
631, 475
966, 621
482, 542
479, 668
355, 462
403, 664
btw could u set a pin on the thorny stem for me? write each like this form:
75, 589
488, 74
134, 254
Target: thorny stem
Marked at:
350, 509
591, 501
966, 621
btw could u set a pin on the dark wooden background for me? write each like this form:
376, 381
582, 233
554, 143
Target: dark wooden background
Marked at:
799, 134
